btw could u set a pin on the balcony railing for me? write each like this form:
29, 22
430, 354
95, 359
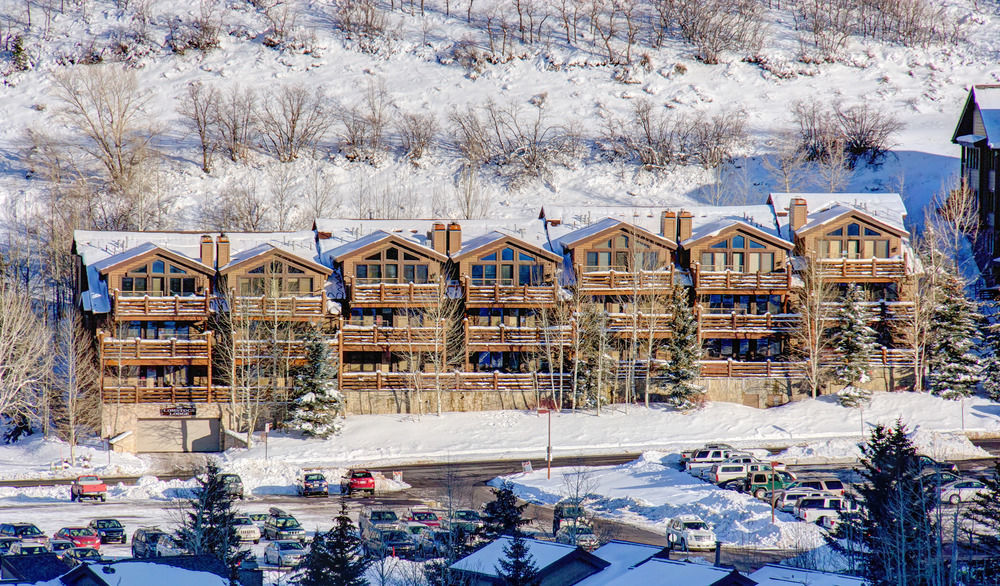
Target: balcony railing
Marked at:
624, 323
867, 268
704, 280
139, 394
738, 369
353, 336
394, 293
192, 307
293, 308
595, 280
488, 338
137, 350
455, 381
524, 295
734, 324
893, 310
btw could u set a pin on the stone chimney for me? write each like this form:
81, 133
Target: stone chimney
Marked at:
668, 225
454, 238
223, 242
206, 255
439, 239
798, 213
684, 221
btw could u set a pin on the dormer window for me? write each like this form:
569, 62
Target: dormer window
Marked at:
512, 269
732, 254
156, 278
385, 267
275, 280
854, 241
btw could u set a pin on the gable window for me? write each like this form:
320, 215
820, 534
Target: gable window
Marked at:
740, 254
507, 268
854, 241
276, 278
622, 253
157, 278
391, 266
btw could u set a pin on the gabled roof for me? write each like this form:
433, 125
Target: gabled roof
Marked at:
717, 227
261, 250
471, 247
372, 240
174, 570
546, 555
34, 568
837, 211
622, 557
985, 98
886, 207
773, 575
608, 226
657, 572
147, 249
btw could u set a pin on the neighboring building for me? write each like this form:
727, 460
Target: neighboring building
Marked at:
978, 133
558, 564
198, 334
188, 570
774, 575
29, 569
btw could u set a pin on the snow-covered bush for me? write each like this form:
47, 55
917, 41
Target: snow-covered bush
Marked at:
714, 26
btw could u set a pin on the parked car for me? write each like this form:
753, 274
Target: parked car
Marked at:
759, 484
88, 487
376, 518
389, 541
312, 484
578, 534
82, 554
688, 454
785, 498
246, 529
727, 471
424, 516
570, 509
145, 540
284, 553
816, 509
80, 536
109, 530
689, 532
706, 458
6, 542
259, 519
434, 543
23, 548
58, 545
416, 529
465, 519
233, 484
168, 545
282, 526
961, 491
928, 463
357, 481
25, 532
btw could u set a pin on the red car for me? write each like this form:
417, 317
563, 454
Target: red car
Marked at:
428, 518
80, 536
357, 481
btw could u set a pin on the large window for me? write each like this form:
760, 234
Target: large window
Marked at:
507, 268
747, 350
622, 253
391, 265
276, 278
740, 254
157, 278
854, 241
742, 304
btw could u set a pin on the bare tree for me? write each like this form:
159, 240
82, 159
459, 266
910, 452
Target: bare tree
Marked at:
713, 26
470, 198
239, 207
809, 339
236, 123
416, 131
24, 352
285, 195
199, 106
293, 120
955, 219
787, 164
365, 125
77, 406
867, 131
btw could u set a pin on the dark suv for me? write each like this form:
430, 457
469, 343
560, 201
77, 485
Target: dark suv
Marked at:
281, 525
144, 542
26, 532
233, 484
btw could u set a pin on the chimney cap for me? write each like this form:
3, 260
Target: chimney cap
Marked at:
223, 237
206, 237
668, 213
685, 214
454, 226
438, 226
798, 201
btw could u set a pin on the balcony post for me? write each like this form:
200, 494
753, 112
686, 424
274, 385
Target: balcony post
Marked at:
468, 340
209, 336
177, 305
381, 291
378, 380
768, 362
145, 303
729, 368
874, 271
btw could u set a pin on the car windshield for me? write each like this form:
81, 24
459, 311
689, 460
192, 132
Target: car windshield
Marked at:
33, 549
572, 512
87, 553
314, 478
242, 521
151, 537
89, 480
583, 531
28, 531
394, 536
467, 515
108, 524
383, 516
695, 525
259, 516
57, 546
288, 545
286, 523
426, 516
361, 475
702, 454
79, 532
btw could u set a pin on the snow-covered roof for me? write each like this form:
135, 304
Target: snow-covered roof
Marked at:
576, 217
658, 571
137, 573
969, 139
832, 213
773, 575
480, 242
987, 98
265, 248
622, 555
887, 208
486, 560
571, 238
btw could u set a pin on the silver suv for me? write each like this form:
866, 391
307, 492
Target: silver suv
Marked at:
785, 499
706, 458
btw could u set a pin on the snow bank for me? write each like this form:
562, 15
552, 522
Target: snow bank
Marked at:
38, 457
277, 476
938, 445
648, 493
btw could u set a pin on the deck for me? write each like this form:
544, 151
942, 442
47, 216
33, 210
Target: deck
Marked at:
509, 338
741, 325
593, 281
761, 283
455, 381
280, 308
510, 296
393, 294
172, 351
868, 269
172, 308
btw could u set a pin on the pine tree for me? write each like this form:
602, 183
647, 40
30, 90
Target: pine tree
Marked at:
502, 515
335, 557
898, 531
316, 404
517, 568
991, 342
684, 350
208, 528
954, 370
438, 571
854, 341
984, 514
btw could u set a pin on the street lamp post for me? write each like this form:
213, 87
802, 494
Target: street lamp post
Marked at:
548, 448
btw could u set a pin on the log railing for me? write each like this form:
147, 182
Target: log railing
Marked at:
595, 280
731, 280
532, 295
870, 268
734, 323
487, 337
354, 335
625, 322
280, 307
408, 293
193, 307
139, 394
137, 349
455, 381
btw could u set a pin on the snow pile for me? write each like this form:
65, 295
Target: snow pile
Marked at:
274, 476
37, 457
940, 446
647, 493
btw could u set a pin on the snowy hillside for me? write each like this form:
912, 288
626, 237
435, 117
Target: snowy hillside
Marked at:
426, 66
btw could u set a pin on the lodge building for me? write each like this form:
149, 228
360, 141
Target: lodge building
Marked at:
199, 334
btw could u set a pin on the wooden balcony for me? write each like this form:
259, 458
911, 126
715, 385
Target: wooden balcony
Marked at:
136, 394
877, 310
455, 381
623, 324
898, 357
593, 281
378, 338
280, 308
740, 326
739, 369
292, 350
746, 283
510, 296
504, 338
393, 294
173, 308
868, 269
173, 351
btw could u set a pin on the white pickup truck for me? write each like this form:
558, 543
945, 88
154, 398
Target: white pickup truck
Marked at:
706, 458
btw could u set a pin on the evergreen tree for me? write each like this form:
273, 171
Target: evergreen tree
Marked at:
991, 341
684, 349
984, 513
517, 568
502, 515
898, 531
854, 341
438, 572
208, 528
316, 404
335, 557
954, 370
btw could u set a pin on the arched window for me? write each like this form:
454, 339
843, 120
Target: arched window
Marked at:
157, 278
622, 253
507, 267
276, 278
740, 253
392, 265
854, 241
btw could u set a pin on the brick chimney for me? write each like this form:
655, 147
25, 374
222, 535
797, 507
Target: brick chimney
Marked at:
798, 213
439, 238
223, 242
206, 255
668, 225
454, 238
684, 221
